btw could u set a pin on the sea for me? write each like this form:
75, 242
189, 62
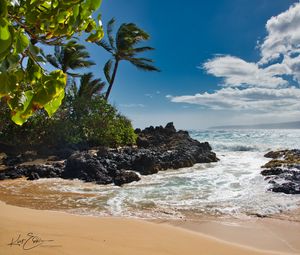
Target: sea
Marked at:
231, 187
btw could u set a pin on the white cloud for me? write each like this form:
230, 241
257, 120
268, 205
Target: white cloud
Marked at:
282, 40
251, 99
283, 35
293, 66
262, 88
237, 72
132, 105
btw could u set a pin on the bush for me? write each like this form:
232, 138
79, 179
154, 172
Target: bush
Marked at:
79, 121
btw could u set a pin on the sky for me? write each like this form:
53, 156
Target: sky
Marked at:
222, 62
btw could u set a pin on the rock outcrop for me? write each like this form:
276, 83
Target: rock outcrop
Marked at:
283, 171
157, 149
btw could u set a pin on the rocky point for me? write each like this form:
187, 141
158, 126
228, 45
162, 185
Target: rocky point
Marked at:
158, 148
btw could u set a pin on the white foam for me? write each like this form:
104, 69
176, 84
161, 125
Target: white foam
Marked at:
232, 186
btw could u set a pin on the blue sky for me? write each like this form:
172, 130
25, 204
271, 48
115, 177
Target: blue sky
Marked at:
214, 57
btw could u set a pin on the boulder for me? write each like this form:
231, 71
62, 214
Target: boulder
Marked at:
283, 171
85, 167
145, 163
125, 176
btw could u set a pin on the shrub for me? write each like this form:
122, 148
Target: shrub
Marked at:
91, 122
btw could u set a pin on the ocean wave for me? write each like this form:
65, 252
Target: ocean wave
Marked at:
236, 147
248, 140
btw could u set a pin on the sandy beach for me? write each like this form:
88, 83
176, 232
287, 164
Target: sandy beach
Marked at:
41, 232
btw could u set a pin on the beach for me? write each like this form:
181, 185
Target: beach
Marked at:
223, 207
45, 232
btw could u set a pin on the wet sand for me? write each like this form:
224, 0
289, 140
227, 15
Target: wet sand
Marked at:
81, 234
45, 232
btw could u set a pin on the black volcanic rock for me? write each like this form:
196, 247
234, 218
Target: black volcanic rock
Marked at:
283, 171
86, 167
32, 172
126, 176
158, 148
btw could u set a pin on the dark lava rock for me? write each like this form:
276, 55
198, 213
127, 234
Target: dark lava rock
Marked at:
86, 167
158, 148
283, 171
32, 172
12, 160
287, 188
125, 176
145, 162
272, 171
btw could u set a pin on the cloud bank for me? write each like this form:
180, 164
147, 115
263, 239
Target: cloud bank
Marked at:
266, 86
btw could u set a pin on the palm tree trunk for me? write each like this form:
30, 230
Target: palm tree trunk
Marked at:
112, 80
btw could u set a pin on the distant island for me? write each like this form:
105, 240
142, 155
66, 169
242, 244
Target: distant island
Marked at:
283, 125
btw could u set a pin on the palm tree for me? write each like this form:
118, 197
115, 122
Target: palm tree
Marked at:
123, 47
70, 56
81, 96
89, 87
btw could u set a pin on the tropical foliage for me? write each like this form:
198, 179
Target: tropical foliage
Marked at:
72, 56
78, 122
123, 46
61, 107
25, 85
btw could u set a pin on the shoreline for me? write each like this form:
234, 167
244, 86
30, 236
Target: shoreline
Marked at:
76, 234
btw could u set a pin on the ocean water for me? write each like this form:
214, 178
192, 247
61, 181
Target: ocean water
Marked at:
231, 187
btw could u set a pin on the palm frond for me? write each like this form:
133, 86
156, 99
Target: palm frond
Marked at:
141, 49
89, 86
53, 61
129, 35
74, 56
105, 45
107, 70
74, 75
144, 66
109, 30
148, 60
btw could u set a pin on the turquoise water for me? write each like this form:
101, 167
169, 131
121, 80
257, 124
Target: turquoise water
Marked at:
233, 186
259, 140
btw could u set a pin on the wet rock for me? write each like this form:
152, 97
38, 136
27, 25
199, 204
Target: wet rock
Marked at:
158, 148
145, 163
86, 167
283, 171
287, 188
32, 172
125, 176
12, 160
272, 171
33, 176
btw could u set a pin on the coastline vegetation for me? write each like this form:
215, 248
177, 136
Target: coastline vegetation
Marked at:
65, 106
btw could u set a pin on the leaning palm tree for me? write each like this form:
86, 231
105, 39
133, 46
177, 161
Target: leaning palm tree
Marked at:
70, 56
123, 47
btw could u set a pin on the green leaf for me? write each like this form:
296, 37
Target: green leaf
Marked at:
13, 61
54, 104
3, 8
4, 31
94, 4
97, 36
22, 42
52, 86
5, 87
20, 116
75, 11
5, 36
